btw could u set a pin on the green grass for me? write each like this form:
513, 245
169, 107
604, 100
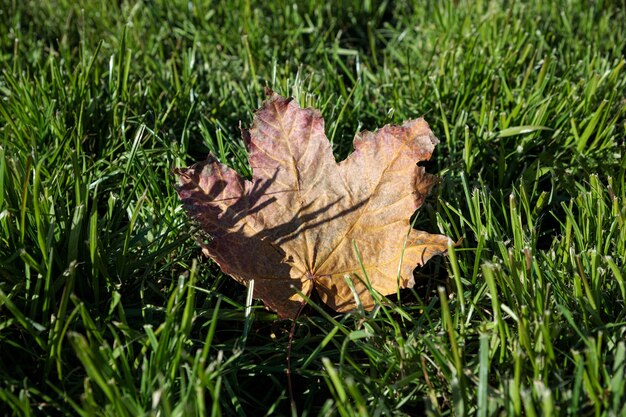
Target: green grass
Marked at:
107, 306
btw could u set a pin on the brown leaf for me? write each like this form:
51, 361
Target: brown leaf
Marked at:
296, 223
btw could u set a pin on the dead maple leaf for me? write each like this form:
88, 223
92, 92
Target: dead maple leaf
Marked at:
295, 224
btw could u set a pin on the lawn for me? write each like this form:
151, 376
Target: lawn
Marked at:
108, 307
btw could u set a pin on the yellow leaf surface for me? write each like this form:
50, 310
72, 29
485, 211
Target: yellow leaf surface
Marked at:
295, 224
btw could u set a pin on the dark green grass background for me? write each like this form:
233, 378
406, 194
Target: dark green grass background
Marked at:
108, 308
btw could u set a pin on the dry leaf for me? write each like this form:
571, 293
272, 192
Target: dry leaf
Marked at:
297, 222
